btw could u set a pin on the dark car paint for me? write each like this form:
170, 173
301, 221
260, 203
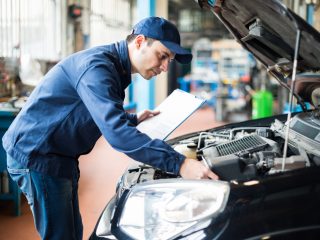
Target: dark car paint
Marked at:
280, 206
277, 206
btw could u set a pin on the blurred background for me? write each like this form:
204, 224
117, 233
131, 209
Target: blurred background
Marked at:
36, 34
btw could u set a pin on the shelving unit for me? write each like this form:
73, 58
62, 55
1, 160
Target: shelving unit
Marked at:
6, 118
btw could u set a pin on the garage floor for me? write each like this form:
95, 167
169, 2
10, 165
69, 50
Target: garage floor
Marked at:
100, 171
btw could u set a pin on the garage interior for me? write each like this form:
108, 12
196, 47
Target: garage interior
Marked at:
33, 39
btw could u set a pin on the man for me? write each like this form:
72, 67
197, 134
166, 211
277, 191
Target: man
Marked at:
78, 100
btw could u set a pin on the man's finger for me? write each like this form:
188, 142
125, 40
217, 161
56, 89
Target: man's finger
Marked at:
213, 176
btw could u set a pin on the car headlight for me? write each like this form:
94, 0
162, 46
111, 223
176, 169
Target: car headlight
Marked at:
163, 209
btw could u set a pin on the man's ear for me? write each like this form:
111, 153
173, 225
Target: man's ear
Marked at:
139, 40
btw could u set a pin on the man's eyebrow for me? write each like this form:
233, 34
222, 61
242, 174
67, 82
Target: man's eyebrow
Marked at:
165, 53
169, 54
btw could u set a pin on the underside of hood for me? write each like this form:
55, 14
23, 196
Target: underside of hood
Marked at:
268, 29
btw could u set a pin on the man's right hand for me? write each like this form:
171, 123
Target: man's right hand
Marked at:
193, 169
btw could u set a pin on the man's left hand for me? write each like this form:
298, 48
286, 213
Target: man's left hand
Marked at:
145, 114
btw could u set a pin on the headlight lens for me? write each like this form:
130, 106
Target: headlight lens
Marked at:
164, 208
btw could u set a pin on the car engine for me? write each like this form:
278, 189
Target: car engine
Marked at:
244, 153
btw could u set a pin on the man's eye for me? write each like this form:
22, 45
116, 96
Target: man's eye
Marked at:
163, 57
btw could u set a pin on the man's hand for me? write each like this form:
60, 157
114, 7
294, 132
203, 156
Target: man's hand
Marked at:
145, 114
193, 169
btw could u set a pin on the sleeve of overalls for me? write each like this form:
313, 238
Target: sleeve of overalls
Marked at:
100, 90
132, 117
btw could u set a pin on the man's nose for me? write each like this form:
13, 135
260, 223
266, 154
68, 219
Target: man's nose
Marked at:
165, 64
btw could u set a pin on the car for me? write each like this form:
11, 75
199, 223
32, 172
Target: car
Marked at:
269, 168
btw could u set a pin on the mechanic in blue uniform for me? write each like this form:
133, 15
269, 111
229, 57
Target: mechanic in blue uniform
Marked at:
79, 99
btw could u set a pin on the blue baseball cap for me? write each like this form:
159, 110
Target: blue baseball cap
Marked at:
167, 33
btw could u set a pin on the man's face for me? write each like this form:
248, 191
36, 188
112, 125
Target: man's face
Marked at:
151, 59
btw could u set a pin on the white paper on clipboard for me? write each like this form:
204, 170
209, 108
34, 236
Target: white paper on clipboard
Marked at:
174, 110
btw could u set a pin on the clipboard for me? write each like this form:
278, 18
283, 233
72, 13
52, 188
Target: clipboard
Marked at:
174, 110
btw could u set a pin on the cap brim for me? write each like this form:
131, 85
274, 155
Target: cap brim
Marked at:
181, 55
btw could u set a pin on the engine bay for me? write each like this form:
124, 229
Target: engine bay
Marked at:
244, 153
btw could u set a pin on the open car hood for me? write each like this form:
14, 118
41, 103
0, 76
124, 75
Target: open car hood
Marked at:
268, 29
